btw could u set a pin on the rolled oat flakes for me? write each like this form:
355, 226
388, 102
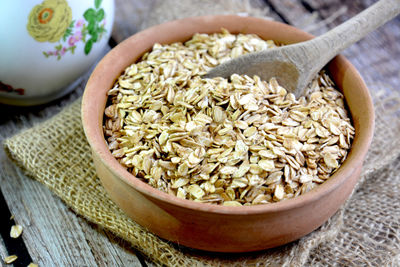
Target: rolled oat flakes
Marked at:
241, 141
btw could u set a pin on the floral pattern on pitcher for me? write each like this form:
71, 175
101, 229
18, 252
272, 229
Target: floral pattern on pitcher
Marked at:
51, 21
6, 88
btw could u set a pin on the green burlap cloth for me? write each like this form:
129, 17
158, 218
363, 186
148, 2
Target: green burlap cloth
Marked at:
365, 231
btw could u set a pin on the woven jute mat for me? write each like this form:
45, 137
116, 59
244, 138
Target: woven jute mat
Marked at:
365, 231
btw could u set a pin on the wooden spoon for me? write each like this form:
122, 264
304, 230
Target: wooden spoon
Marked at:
295, 65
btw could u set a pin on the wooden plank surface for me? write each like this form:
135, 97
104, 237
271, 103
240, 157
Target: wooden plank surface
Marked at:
56, 236
129, 16
377, 56
54, 233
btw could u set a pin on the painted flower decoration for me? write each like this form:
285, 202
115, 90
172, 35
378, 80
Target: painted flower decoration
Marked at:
75, 38
49, 20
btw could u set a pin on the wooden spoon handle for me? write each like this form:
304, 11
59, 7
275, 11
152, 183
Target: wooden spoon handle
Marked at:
320, 50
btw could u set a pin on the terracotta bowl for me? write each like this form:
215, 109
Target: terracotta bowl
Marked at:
211, 227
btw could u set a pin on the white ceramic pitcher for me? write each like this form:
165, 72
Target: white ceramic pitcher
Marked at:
46, 45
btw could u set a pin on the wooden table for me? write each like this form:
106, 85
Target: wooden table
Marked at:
55, 236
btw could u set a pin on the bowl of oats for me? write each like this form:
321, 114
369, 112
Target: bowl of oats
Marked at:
226, 165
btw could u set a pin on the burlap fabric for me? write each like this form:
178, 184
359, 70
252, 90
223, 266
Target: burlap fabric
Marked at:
365, 231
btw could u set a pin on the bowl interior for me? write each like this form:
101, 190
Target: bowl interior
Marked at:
113, 64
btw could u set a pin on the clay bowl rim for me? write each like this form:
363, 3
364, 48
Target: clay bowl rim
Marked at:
92, 100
